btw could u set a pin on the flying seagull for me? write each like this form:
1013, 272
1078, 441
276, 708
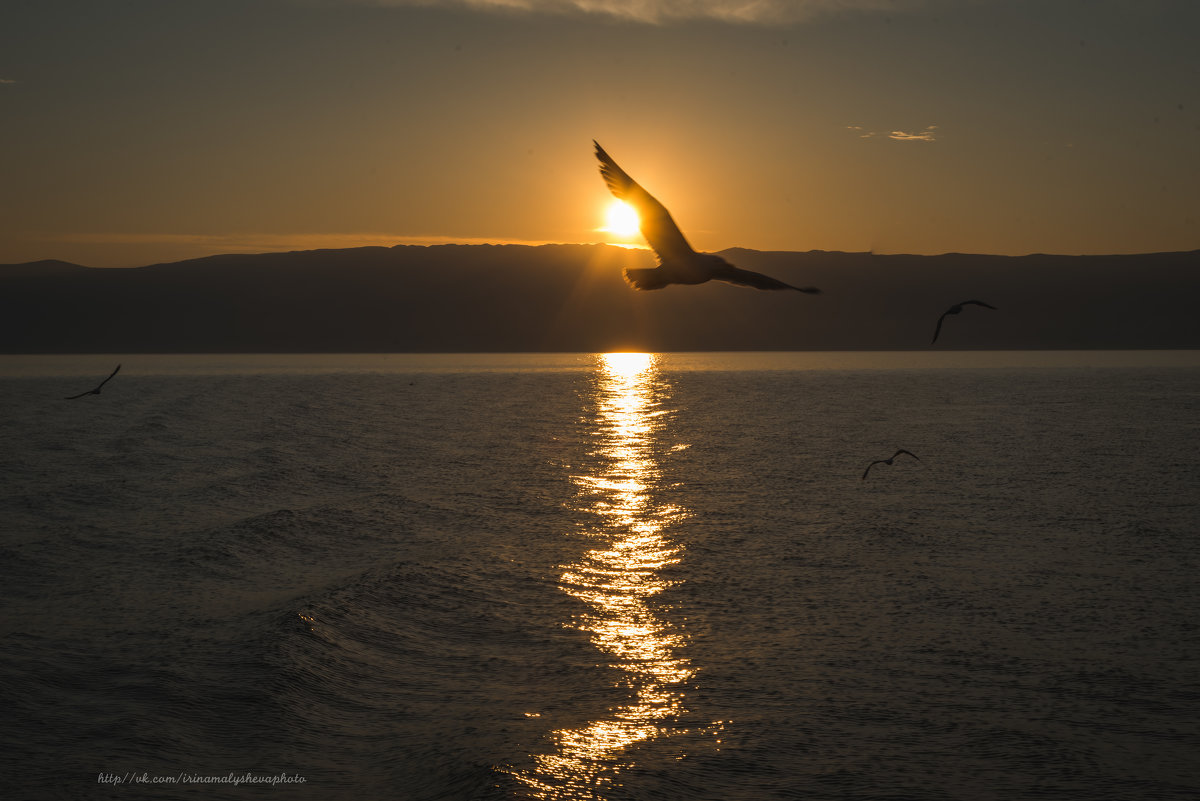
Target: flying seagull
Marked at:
955, 309
889, 461
96, 391
677, 262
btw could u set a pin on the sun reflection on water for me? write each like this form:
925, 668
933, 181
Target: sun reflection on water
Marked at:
616, 581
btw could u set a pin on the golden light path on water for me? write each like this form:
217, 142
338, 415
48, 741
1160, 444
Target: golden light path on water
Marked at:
616, 580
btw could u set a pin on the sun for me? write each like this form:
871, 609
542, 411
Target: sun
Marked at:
621, 219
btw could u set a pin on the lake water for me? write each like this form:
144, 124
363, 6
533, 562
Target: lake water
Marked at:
622, 576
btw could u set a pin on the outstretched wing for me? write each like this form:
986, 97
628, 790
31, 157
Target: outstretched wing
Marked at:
910, 453
655, 221
95, 391
938, 330
978, 303
872, 464
736, 275
110, 375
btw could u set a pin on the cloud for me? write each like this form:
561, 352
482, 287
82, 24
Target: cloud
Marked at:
660, 11
245, 243
926, 135
7, 80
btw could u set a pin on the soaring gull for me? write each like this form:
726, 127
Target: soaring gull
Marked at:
955, 309
889, 461
96, 391
677, 262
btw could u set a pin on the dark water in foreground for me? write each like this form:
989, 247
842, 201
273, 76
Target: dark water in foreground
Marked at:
587, 577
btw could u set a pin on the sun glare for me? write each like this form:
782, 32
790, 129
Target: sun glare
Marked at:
626, 366
621, 219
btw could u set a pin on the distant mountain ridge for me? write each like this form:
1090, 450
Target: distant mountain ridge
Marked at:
520, 298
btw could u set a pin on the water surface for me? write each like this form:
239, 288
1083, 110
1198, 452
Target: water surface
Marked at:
605, 577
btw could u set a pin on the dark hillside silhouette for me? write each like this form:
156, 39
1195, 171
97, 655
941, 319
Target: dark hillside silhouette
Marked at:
495, 298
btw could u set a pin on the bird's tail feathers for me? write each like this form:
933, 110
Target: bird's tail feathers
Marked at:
645, 279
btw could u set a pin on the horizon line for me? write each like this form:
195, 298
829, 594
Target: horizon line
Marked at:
277, 244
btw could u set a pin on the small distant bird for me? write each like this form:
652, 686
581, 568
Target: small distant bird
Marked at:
96, 391
889, 461
678, 263
955, 309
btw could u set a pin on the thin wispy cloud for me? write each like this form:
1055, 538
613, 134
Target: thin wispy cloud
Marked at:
663, 11
927, 135
7, 80
229, 243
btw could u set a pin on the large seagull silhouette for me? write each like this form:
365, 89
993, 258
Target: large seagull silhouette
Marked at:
678, 263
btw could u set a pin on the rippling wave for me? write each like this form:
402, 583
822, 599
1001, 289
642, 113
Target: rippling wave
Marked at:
618, 577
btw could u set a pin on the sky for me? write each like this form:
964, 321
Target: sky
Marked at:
141, 131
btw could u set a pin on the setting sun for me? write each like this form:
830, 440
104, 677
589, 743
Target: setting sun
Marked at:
621, 219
